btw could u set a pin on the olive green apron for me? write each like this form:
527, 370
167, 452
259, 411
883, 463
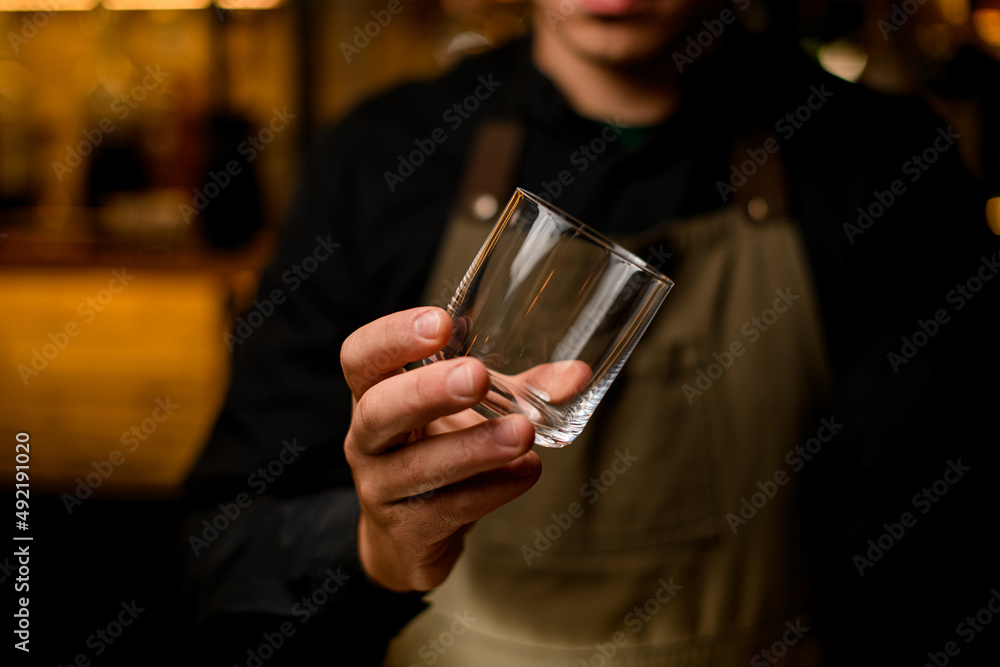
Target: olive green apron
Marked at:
666, 534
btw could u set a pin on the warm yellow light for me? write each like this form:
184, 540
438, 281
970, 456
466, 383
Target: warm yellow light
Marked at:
46, 5
986, 23
156, 4
248, 4
84, 5
993, 214
954, 12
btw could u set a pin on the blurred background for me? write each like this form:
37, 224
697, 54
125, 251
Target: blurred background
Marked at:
148, 151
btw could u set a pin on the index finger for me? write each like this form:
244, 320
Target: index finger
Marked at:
381, 348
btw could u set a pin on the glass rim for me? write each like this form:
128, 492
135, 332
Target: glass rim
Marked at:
597, 237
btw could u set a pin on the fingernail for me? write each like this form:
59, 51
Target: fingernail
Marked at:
428, 325
506, 434
460, 381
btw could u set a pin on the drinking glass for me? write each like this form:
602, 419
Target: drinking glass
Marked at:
553, 309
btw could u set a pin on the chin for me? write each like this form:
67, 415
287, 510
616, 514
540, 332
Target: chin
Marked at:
615, 45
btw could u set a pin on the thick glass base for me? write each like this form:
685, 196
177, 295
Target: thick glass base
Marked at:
554, 426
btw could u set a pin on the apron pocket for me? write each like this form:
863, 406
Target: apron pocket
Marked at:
668, 441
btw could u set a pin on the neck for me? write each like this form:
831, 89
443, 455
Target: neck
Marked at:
621, 94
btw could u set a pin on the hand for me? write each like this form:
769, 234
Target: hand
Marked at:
425, 465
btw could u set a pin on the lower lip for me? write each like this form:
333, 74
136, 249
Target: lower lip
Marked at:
611, 7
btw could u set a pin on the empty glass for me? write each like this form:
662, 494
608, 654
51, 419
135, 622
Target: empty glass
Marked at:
553, 309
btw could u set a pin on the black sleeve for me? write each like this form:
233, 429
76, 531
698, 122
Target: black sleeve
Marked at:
272, 512
269, 543
909, 279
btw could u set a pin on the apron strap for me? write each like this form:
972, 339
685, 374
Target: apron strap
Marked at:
487, 185
765, 194
488, 182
